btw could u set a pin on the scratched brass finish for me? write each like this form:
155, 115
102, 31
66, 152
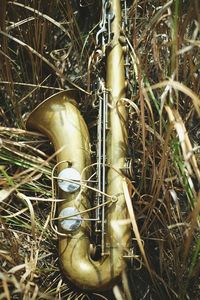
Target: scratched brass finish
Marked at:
59, 119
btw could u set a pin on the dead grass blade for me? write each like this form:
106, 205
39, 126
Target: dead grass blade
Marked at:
194, 217
187, 149
8, 28
134, 224
31, 210
182, 88
5, 193
36, 86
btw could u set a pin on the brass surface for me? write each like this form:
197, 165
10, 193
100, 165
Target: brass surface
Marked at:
59, 119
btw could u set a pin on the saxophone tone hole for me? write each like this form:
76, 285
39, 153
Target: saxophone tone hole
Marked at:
73, 223
67, 180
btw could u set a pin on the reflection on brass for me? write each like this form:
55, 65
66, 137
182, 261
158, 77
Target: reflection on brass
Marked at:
59, 118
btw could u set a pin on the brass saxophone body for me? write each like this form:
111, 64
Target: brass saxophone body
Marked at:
59, 118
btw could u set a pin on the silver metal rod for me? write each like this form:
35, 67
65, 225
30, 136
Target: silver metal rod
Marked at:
99, 156
103, 169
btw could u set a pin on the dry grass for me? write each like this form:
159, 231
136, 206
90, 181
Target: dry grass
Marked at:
48, 47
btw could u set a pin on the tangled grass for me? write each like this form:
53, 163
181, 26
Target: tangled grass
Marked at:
47, 47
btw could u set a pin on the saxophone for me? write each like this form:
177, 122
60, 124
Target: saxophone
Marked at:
58, 118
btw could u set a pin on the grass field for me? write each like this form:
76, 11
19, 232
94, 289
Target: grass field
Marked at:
47, 47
